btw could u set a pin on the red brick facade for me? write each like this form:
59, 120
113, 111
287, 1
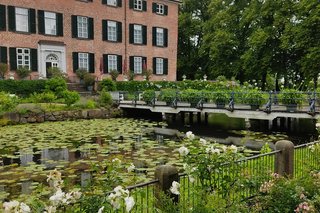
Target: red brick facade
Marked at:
98, 11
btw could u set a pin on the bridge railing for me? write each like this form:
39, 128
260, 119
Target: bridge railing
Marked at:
231, 100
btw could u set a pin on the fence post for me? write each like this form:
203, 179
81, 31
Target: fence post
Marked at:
284, 161
166, 174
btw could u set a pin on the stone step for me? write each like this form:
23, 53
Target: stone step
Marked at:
76, 87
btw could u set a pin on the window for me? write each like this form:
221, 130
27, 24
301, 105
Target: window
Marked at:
137, 4
23, 57
112, 31
137, 65
159, 66
137, 34
160, 9
22, 18
112, 63
83, 61
50, 23
160, 37
112, 2
82, 27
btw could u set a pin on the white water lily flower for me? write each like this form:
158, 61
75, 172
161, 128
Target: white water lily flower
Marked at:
190, 135
212, 150
119, 191
129, 201
11, 206
233, 148
131, 168
50, 209
54, 175
203, 142
24, 208
191, 179
183, 151
114, 200
224, 148
101, 209
174, 189
116, 161
58, 197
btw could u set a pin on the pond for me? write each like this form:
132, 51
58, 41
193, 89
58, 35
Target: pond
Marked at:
27, 152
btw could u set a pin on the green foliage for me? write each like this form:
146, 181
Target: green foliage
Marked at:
105, 98
114, 74
147, 74
70, 97
23, 72
81, 73
107, 84
168, 95
55, 72
89, 79
45, 97
22, 87
56, 85
3, 70
291, 97
253, 97
7, 102
131, 75
148, 95
219, 96
190, 95
91, 104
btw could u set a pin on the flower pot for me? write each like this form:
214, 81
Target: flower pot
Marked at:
292, 107
220, 105
254, 107
90, 88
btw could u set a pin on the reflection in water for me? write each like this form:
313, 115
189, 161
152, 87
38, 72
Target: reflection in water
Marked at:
25, 158
49, 155
85, 179
26, 187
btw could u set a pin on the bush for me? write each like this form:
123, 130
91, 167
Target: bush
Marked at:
89, 79
7, 102
22, 87
190, 95
45, 97
220, 96
290, 97
70, 97
168, 95
114, 74
253, 97
105, 98
107, 84
23, 72
3, 70
148, 95
55, 72
56, 85
81, 73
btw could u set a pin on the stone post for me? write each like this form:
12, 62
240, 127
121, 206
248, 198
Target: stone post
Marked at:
284, 161
166, 174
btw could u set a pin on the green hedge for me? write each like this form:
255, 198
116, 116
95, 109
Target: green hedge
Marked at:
22, 87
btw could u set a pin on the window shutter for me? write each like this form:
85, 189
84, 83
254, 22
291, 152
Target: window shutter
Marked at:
34, 59
165, 66
90, 28
131, 60
131, 2
75, 60
119, 63
3, 20
59, 24
165, 37
74, 26
144, 35
91, 62
104, 30
131, 29
154, 65
3, 55
104, 1
13, 58
12, 18
119, 31
165, 10
105, 63
41, 27
119, 3
32, 20
144, 5
154, 7
154, 36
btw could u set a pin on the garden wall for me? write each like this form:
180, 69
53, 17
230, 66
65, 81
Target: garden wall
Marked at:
17, 118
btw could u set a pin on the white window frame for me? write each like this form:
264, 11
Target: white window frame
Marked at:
50, 19
137, 34
137, 65
112, 30
112, 63
160, 9
159, 66
23, 57
82, 25
160, 36
112, 2
22, 19
138, 5
83, 61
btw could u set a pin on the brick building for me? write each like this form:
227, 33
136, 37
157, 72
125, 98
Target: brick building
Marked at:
96, 35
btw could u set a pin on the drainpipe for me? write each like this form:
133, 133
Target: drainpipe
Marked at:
125, 36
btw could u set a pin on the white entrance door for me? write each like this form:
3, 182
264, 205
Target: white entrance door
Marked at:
52, 60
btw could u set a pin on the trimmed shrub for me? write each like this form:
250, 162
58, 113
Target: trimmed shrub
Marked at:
57, 86
22, 87
107, 84
89, 79
291, 97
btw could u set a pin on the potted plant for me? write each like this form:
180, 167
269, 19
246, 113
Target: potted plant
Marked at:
114, 74
3, 70
254, 98
220, 97
81, 73
23, 72
291, 98
147, 74
89, 81
55, 72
